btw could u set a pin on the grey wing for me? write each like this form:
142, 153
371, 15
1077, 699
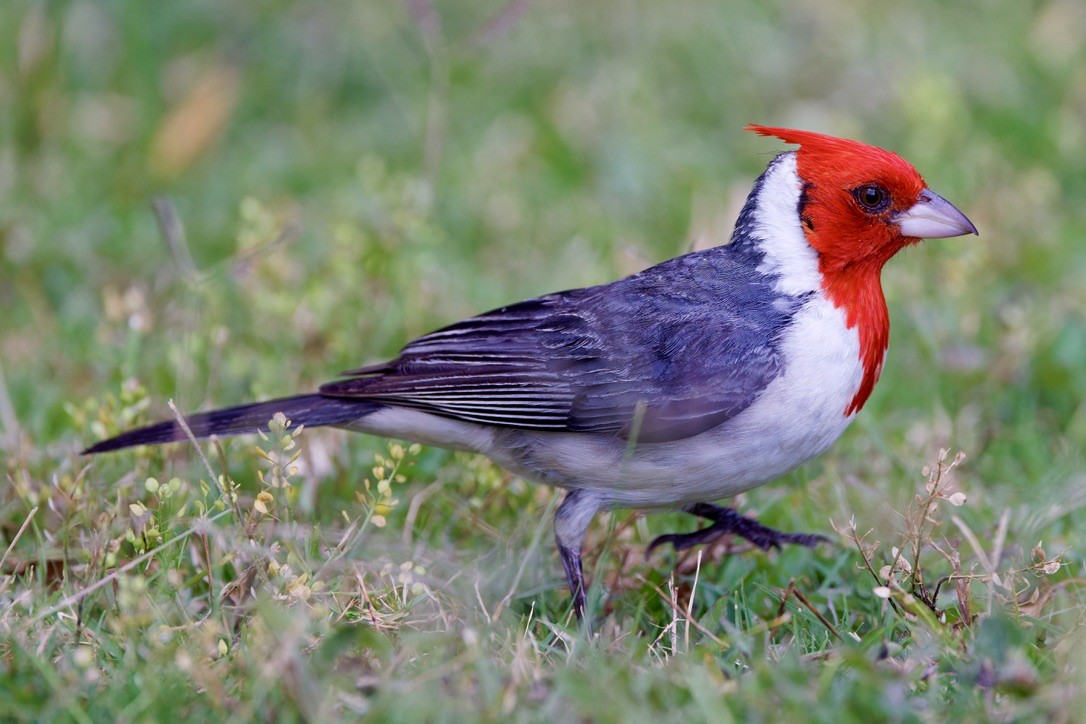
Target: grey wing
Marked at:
506, 367
650, 365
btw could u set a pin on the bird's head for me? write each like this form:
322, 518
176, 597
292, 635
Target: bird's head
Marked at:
858, 206
862, 204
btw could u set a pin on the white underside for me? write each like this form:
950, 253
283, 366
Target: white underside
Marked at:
798, 416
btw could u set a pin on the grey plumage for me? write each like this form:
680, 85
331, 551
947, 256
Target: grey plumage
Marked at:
585, 360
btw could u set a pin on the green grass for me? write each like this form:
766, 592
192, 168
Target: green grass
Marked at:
349, 175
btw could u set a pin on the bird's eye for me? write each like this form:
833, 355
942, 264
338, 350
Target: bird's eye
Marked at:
872, 197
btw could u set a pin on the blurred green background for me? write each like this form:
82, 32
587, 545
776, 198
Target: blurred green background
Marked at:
352, 174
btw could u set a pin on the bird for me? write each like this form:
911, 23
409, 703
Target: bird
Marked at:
684, 384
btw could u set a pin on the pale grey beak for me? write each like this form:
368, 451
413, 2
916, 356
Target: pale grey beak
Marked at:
933, 217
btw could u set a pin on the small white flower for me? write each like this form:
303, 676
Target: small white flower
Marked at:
957, 499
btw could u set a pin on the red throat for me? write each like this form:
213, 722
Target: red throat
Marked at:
852, 245
859, 296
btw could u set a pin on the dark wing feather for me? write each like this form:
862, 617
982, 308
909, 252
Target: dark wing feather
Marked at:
661, 355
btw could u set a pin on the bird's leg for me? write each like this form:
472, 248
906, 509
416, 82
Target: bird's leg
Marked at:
570, 524
726, 520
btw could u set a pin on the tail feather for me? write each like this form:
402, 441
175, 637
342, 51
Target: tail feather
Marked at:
313, 410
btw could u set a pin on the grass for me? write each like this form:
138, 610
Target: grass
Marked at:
332, 179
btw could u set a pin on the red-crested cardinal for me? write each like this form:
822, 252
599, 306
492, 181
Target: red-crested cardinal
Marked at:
691, 381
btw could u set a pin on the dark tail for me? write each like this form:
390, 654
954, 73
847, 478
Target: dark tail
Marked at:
313, 410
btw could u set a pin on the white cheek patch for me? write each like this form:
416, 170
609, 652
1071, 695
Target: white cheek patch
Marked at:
778, 227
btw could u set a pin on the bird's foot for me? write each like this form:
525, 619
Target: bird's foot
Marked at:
726, 520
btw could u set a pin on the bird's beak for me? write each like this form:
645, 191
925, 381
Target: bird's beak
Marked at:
933, 217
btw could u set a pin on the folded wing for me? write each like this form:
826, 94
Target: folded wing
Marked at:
632, 358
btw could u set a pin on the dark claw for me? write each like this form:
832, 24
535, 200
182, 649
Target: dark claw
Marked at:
726, 520
682, 541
